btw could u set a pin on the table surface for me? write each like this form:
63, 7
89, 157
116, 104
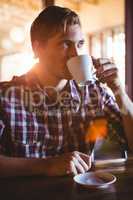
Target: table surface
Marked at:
64, 188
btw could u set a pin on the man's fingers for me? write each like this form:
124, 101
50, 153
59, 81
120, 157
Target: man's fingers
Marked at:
107, 74
106, 68
86, 158
102, 64
78, 165
73, 168
82, 162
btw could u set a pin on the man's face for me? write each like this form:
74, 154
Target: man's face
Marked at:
54, 54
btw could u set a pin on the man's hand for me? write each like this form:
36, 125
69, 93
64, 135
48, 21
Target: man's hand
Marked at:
69, 163
107, 72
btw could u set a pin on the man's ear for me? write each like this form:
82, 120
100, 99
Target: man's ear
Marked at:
36, 48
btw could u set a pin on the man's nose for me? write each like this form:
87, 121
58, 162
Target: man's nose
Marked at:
73, 51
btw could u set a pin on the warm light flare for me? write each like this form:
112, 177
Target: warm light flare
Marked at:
16, 65
97, 129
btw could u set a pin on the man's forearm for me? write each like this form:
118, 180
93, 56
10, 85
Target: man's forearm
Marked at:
68, 163
12, 166
126, 108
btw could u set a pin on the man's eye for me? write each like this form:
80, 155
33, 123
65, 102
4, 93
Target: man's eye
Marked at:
66, 43
80, 44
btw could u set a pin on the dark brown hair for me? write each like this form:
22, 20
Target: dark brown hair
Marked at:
51, 20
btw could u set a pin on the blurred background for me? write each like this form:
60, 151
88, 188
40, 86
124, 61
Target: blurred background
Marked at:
102, 22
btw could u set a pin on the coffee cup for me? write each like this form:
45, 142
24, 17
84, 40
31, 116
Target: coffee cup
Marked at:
81, 68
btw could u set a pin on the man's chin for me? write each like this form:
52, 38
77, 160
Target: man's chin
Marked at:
68, 77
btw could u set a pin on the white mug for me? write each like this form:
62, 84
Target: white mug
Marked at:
81, 68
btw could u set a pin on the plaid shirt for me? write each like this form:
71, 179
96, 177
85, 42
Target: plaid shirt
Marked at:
34, 124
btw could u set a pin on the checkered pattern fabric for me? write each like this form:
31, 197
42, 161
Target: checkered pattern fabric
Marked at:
35, 124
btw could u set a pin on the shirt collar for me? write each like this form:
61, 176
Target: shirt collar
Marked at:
75, 90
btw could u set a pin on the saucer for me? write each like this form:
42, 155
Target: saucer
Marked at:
95, 179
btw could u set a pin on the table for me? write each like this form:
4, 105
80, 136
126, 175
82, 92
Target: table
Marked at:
63, 188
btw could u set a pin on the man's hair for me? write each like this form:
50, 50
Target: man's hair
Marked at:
51, 20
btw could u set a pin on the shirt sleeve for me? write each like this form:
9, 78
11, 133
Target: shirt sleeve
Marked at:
2, 127
113, 114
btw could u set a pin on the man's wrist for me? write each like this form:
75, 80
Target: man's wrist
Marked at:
116, 87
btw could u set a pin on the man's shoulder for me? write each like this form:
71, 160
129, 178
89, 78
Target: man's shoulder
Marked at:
15, 81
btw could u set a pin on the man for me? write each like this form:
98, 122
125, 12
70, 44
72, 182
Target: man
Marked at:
42, 119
